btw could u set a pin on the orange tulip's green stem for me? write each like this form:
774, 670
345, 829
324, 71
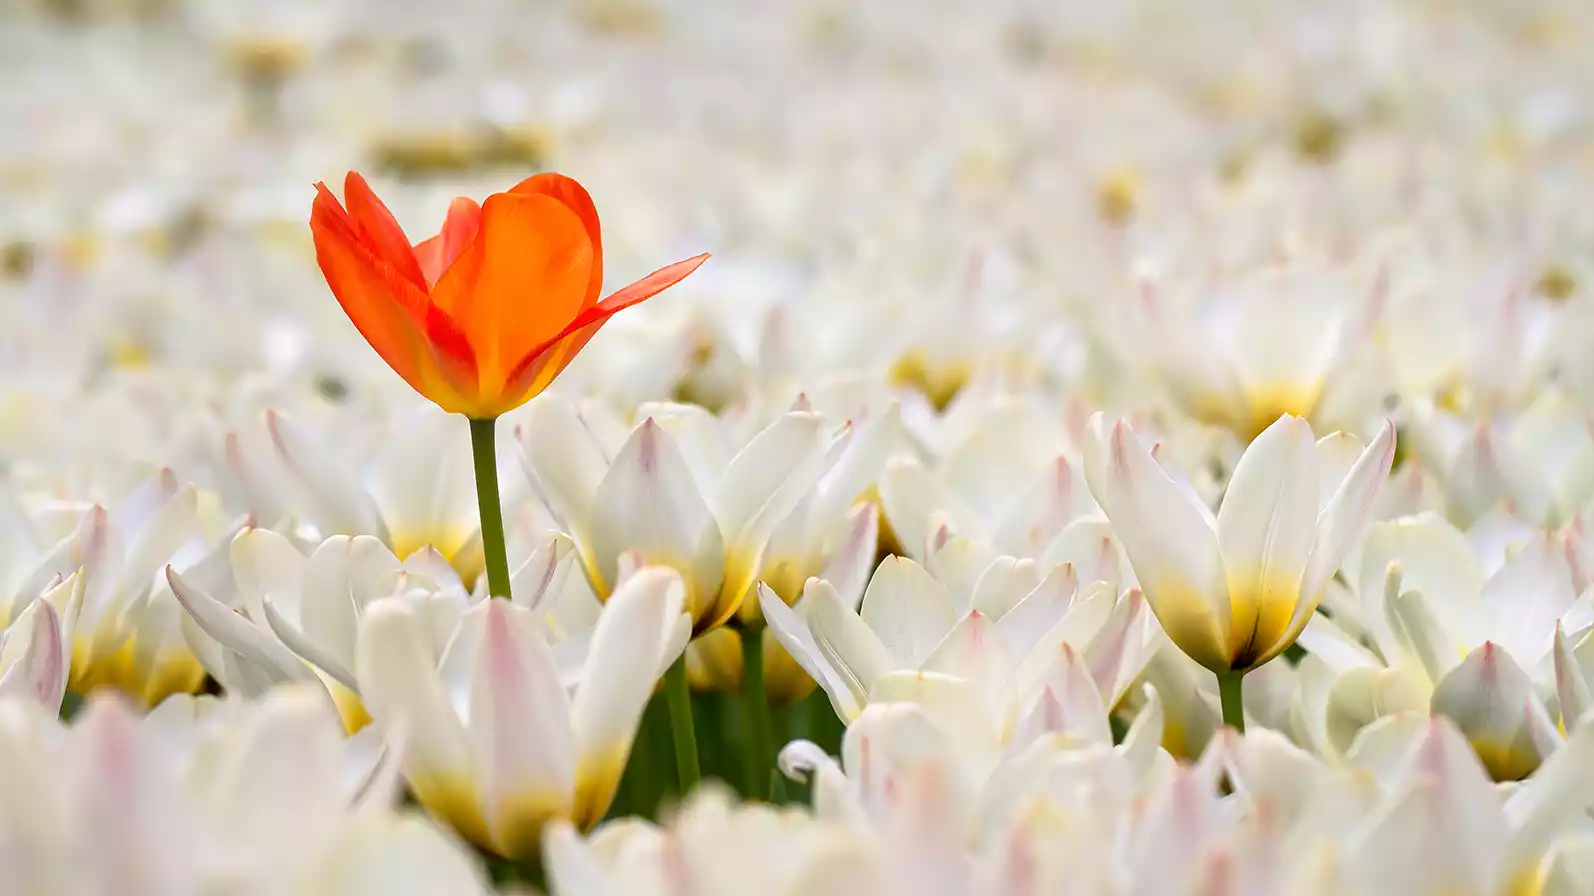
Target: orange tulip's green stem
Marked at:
1229, 694
484, 449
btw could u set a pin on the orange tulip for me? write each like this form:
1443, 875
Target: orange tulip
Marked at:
483, 316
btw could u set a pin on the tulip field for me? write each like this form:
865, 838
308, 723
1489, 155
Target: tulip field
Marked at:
679, 448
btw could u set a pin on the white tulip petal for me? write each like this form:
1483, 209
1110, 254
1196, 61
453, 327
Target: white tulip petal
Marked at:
792, 630
973, 651
1003, 584
36, 671
332, 495
401, 688
1526, 598
520, 728
339, 580
1492, 702
1267, 526
847, 644
266, 563
1039, 612
563, 459
648, 503
908, 611
1168, 539
1345, 515
235, 633
854, 556
617, 681
423, 484
768, 477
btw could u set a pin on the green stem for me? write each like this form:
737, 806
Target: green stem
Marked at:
484, 449
1229, 694
755, 709
679, 698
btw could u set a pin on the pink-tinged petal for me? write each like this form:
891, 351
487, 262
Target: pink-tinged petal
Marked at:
1571, 687
648, 503
37, 667
1441, 828
972, 650
459, 228
1068, 703
1493, 703
379, 230
1169, 541
520, 729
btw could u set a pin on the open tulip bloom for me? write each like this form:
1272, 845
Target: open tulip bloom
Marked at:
1235, 590
486, 314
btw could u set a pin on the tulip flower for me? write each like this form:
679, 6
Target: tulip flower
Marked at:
496, 746
1235, 590
486, 314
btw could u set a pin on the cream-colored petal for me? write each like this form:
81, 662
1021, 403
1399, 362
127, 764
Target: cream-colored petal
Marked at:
907, 610
1266, 530
1166, 535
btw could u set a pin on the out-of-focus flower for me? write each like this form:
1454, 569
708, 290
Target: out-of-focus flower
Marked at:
494, 744
910, 637
674, 494
1004, 475
306, 611
1538, 467
1280, 341
1235, 590
418, 491
268, 797
1432, 634
487, 313
126, 635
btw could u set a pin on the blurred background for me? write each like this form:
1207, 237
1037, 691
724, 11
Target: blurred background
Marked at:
917, 193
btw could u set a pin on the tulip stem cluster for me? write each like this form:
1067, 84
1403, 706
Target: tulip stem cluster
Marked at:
484, 450
679, 698
1229, 694
755, 711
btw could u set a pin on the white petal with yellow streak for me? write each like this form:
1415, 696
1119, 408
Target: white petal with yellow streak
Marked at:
1168, 539
1267, 526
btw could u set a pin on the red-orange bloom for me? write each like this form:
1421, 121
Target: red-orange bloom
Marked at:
483, 316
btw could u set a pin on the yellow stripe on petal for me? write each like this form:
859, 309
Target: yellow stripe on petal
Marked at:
1259, 615
597, 779
351, 709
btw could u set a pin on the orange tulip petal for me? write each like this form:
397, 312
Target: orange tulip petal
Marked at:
575, 198
519, 282
380, 230
429, 353
437, 253
538, 369
651, 285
